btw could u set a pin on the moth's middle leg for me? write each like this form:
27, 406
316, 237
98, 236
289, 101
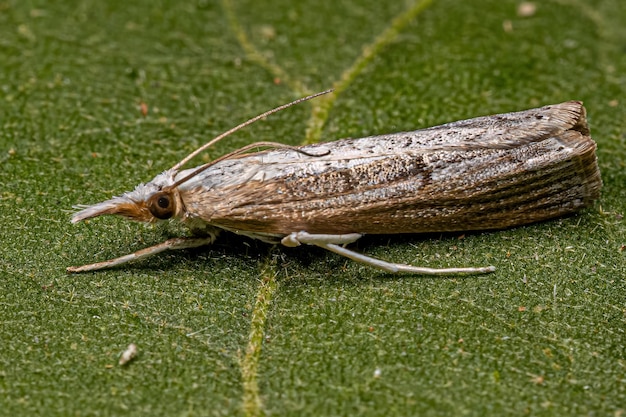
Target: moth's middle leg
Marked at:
332, 242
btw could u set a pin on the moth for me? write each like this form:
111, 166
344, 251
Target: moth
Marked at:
491, 172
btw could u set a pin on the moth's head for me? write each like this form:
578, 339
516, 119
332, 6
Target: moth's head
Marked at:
148, 202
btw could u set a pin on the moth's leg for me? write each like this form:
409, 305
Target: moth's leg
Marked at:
170, 244
296, 238
332, 242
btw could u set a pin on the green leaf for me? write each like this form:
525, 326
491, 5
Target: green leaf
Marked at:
243, 328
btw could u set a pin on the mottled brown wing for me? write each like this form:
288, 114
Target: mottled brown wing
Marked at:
486, 173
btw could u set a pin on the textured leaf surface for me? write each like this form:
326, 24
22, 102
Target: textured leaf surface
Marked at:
96, 97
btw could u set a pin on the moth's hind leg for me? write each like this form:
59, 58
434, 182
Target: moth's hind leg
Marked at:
170, 244
333, 242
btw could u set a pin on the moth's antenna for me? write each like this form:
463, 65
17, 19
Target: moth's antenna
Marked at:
244, 124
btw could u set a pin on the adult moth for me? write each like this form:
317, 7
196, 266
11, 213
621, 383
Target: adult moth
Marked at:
490, 172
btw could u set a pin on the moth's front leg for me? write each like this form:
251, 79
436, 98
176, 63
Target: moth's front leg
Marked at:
332, 242
170, 244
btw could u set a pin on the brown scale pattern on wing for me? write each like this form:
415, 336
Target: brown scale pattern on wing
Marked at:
444, 190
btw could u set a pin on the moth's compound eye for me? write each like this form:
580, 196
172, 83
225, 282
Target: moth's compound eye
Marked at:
161, 205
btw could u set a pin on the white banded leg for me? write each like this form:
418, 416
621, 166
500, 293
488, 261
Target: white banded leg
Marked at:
170, 244
332, 242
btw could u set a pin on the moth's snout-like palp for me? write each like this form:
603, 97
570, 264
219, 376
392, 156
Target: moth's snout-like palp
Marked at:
122, 206
146, 203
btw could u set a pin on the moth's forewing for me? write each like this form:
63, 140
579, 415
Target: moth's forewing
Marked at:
485, 173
